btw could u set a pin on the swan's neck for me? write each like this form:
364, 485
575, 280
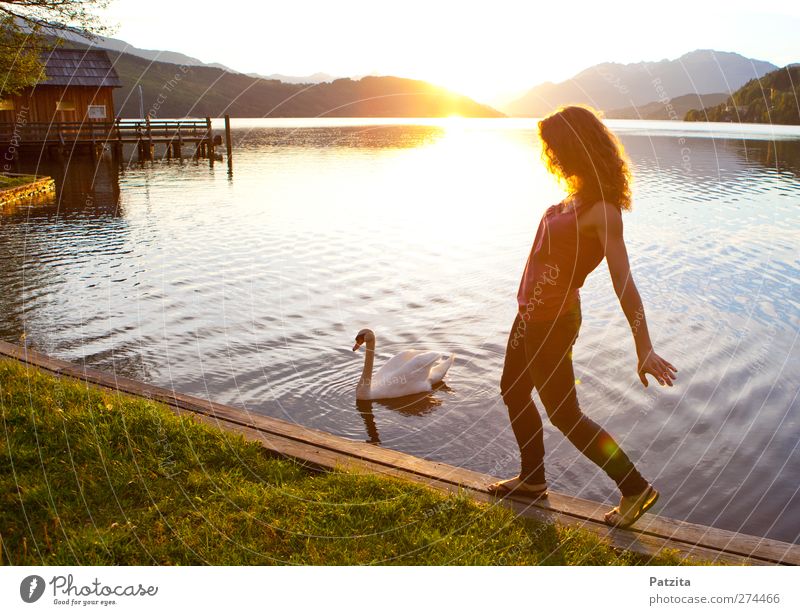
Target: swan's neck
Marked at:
365, 383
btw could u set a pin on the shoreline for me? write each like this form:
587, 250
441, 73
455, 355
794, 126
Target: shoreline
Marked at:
322, 451
93, 476
37, 189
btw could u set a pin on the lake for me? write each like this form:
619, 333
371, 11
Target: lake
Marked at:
249, 290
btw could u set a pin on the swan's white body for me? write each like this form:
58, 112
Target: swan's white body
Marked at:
407, 373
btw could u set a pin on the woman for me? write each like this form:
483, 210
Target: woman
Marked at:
572, 239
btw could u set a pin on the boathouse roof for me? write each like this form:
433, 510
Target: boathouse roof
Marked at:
81, 67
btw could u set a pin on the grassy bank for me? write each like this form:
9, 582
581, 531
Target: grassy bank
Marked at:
90, 476
12, 181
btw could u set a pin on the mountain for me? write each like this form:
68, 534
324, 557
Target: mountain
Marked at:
170, 90
175, 85
611, 85
175, 57
772, 99
315, 78
657, 110
115, 44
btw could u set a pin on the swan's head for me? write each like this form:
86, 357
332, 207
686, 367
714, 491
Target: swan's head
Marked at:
363, 336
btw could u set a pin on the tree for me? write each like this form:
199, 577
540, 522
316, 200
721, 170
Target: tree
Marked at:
772, 99
29, 27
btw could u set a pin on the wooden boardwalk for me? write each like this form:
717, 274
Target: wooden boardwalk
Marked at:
321, 450
91, 135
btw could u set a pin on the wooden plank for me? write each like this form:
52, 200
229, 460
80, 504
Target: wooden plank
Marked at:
683, 531
323, 459
36, 359
689, 533
680, 534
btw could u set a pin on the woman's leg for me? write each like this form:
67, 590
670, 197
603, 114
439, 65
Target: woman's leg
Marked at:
550, 350
516, 387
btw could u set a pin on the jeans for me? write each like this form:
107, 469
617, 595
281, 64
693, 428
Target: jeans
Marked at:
539, 354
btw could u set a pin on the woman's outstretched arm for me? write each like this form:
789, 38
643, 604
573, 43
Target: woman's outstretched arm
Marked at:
606, 219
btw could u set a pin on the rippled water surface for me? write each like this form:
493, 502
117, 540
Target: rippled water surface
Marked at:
249, 290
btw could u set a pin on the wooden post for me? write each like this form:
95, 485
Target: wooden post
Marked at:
209, 142
228, 143
149, 137
117, 146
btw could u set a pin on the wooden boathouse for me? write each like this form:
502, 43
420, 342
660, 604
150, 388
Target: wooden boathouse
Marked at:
78, 87
71, 111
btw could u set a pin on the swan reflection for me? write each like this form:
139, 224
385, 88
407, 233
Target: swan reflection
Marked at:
419, 404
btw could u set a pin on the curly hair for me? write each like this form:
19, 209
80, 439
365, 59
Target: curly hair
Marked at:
585, 156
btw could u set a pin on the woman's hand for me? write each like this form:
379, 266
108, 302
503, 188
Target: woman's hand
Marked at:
661, 370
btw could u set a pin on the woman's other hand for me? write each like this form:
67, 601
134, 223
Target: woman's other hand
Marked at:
663, 371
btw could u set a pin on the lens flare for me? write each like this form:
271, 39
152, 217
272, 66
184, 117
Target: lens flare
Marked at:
610, 448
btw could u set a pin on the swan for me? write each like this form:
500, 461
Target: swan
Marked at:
406, 373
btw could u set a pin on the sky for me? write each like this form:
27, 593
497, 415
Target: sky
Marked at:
490, 50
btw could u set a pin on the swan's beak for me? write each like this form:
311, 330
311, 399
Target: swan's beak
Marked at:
356, 346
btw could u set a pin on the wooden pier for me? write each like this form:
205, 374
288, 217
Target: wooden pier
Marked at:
320, 450
93, 137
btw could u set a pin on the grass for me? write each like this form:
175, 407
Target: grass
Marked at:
12, 181
91, 476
